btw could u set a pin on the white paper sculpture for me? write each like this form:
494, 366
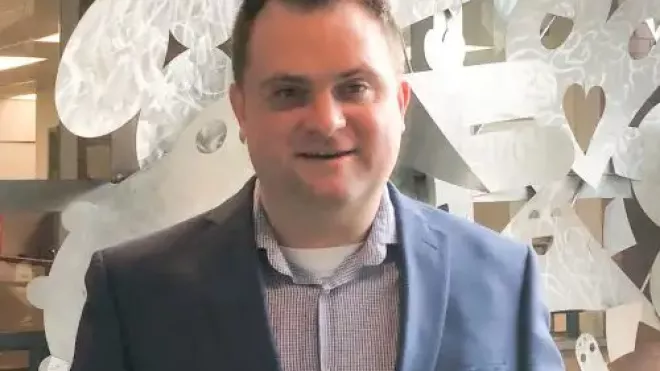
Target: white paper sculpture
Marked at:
595, 54
617, 234
503, 155
113, 69
578, 273
588, 354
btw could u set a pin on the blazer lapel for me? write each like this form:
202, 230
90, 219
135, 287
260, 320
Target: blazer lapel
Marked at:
424, 286
234, 286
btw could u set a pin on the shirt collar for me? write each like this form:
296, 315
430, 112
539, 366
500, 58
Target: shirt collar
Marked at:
374, 251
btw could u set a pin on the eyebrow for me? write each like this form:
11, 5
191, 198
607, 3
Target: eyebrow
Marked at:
293, 79
283, 78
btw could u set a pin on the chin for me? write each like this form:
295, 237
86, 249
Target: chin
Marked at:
331, 191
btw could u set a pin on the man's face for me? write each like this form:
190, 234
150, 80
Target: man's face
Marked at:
322, 104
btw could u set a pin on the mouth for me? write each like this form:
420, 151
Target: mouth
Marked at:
326, 155
542, 244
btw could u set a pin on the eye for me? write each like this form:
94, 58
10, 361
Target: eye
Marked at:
356, 88
353, 91
286, 92
286, 97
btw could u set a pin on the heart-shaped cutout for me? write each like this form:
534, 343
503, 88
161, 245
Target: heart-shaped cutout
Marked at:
583, 112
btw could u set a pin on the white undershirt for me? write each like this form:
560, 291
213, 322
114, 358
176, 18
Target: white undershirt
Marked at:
319, 262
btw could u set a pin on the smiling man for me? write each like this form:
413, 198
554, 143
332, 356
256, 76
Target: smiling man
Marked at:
318, 263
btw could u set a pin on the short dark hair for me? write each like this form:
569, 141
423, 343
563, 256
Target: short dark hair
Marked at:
250, 9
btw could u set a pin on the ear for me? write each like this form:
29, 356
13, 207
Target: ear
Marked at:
237, 99
403, 96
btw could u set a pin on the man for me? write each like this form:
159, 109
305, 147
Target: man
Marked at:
318, 263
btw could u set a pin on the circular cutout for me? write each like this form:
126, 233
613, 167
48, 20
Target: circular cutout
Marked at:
192, 81
643, 39
555, 30
211, 137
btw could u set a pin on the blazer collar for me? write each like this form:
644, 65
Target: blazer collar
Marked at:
233, 283
424, 269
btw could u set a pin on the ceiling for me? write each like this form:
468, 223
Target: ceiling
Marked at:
22, 23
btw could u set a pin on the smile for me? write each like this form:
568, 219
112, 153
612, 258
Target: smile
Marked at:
326, 155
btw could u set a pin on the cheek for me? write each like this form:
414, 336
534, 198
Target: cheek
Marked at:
267, 135
381, 132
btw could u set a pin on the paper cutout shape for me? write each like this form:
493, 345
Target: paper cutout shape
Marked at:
503, 155
555, 30
504, 8
444, 45
610, 186
637, 153
646, 355
639, 159
54, 364
647, 195
193, 80
118, 75
106, 73
174, 189
203, 24
598, 60
521, 154
583, 111
617, 234
622, 324
423, 143
458, 199
588, 354
409, 12
577, 272
654, 282
637, 260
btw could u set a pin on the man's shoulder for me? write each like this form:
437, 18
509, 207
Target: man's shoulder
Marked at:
167, 242
485, 266
181, 241
470, 243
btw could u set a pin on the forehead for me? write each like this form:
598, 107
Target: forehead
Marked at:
324, 41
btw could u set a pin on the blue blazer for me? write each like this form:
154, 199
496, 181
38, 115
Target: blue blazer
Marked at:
191, 298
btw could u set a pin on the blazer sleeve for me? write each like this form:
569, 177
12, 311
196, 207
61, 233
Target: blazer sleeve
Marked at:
538, 350
99, 345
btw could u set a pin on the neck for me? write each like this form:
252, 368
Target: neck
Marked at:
304, 224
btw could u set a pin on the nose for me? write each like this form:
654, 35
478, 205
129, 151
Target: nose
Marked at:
326, 115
